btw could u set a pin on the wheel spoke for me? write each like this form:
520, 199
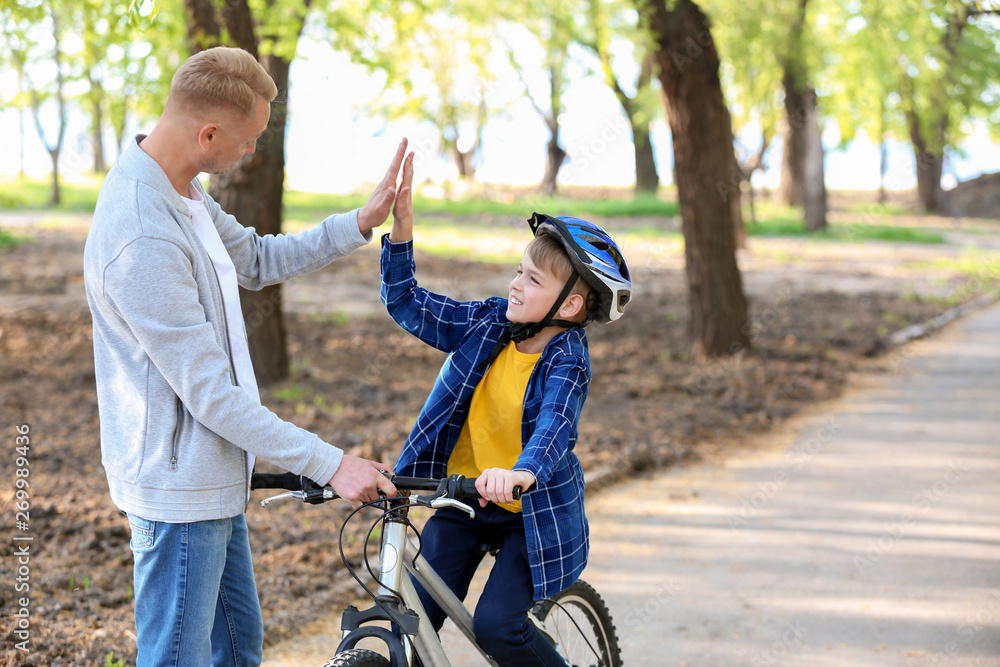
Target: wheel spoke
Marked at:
579, 622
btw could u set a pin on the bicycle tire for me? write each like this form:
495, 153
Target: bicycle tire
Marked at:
357, 657
578, 621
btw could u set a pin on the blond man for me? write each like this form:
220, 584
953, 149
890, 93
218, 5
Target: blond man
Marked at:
181, 418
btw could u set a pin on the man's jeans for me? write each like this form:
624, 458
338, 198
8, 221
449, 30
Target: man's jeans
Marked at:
195, 598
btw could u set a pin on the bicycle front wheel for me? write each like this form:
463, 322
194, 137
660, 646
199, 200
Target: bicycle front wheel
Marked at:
357, 657
579, 623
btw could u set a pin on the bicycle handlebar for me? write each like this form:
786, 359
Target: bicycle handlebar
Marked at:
287, 481
455, 486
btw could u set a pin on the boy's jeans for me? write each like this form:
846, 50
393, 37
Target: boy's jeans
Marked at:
450, 542
195, 597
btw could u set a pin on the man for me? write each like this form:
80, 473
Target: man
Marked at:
181, 418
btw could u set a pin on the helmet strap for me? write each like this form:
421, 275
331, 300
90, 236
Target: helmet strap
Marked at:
524, 330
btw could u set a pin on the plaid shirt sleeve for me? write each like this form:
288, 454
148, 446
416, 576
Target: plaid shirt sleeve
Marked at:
437, 320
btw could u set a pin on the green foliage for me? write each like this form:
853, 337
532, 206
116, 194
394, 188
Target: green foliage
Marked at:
933, 64
757, 43
622, 45
434, 57
109, 660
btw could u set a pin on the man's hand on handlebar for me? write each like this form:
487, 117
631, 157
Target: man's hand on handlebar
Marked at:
497, 485
358, 481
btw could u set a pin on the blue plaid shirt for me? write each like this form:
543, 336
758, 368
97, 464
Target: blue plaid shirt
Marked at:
555, 525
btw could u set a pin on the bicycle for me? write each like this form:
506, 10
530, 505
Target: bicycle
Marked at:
576, 620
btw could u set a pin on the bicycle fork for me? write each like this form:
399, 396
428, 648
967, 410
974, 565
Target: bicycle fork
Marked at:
356, 624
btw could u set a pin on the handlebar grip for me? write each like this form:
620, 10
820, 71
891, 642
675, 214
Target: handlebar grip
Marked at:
456, 486
287, 481
468, 490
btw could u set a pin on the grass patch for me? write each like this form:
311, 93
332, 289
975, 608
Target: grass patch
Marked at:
293, 392
310, 207
782, 226
973, 262
981, 267
30, 195
878, 209
775, 220
9, 240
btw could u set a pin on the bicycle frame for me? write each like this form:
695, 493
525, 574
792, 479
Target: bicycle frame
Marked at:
429, 646
399, 557
396, 601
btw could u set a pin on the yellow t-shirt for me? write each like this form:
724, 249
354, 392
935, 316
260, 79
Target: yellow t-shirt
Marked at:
491, 436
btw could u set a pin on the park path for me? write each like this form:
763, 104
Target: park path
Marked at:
866, 533
870, 537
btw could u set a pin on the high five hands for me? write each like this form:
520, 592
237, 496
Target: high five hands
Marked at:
402, 211
376, 209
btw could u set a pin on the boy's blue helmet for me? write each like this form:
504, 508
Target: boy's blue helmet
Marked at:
596, 258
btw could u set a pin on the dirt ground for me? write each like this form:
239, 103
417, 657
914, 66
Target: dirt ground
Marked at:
818, 309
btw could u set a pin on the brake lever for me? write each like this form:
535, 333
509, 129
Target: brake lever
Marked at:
437, 502
282, 496
312, 496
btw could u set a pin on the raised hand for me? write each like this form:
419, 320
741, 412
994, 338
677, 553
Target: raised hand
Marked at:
376, 209
402, 210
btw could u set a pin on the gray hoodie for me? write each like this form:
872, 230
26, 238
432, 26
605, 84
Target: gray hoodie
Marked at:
174, 424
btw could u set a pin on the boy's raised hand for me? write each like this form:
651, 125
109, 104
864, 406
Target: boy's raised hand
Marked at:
402, 210
376, 209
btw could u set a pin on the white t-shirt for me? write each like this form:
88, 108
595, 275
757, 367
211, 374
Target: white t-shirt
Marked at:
226, 272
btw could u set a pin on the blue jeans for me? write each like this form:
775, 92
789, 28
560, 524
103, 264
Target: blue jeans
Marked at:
195, 597
450, 543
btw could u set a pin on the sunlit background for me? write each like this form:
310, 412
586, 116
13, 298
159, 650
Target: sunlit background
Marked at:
339, 142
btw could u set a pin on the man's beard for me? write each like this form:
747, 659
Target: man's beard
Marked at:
219, 167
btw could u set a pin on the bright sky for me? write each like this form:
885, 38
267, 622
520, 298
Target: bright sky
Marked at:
336, 145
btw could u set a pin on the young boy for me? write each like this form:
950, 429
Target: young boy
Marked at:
505, 409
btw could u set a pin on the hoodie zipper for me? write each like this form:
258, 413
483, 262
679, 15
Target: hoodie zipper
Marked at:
220, 304
177, 434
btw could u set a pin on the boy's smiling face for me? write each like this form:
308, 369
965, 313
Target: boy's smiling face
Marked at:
532, 292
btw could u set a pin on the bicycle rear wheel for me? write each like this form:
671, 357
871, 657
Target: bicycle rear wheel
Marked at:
579, 623
357, 657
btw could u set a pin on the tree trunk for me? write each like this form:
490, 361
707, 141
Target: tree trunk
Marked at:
930, 164
802, 173
704, 162
56, 149
813, 178
647, 179
96, 123
554, 152
790, 187
466, 169
802, 178
252, 189
556, 156
56, 196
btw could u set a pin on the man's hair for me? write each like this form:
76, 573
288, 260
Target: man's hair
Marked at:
222, 76
547, 253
